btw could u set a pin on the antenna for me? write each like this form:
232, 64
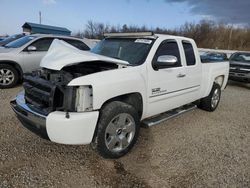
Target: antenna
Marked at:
40, 17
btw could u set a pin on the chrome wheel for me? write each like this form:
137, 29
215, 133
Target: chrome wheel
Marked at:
6, 77
120, 132
215, 98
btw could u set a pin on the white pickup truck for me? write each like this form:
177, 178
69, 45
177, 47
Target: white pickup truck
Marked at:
104, 96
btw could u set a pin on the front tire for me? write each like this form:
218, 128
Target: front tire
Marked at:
211, 102
8, 76
117, 129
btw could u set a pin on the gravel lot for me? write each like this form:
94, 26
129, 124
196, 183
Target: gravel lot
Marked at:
197, 149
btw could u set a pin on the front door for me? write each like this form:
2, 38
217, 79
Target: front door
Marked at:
31, 58
167, 86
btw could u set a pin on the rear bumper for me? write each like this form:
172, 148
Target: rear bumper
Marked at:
79, 128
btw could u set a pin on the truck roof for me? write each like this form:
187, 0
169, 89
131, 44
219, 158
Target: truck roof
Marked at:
142, 35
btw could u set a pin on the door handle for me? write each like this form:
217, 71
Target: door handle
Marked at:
181, 75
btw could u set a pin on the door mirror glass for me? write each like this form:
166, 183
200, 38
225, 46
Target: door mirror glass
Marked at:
31, 48
165, 61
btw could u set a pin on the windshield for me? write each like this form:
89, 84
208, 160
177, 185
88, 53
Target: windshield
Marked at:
132, 50
19, 42
242, 57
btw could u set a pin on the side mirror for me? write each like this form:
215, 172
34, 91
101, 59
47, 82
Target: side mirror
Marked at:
31, 48
165, 61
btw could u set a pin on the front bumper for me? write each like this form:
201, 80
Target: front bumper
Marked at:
239, 77
78, 128
239, 74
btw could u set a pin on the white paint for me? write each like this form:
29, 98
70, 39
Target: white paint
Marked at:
79, 128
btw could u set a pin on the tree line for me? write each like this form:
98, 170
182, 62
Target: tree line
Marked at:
207, 34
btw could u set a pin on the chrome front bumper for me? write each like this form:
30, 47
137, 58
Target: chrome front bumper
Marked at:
30, 119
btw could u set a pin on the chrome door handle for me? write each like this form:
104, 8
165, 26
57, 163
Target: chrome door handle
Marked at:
181, 75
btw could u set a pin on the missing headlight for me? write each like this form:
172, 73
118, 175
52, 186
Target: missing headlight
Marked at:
84, 99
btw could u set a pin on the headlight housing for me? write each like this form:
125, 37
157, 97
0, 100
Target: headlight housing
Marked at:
84, 99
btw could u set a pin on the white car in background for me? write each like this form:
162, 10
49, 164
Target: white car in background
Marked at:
24, 55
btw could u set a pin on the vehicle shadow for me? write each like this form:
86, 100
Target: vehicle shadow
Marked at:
117, 173
79, 161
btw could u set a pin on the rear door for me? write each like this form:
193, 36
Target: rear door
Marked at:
193, 69
31, 59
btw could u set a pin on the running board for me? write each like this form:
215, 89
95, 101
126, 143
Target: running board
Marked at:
168, 115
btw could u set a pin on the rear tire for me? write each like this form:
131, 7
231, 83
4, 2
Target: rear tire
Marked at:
117, 129
211, 102
8, 76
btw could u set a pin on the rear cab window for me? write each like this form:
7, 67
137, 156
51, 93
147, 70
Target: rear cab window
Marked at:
189, 53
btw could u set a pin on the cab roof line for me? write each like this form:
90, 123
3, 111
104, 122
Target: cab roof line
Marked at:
135, 34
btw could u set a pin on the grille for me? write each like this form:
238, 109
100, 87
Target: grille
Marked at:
41, 94
240, 71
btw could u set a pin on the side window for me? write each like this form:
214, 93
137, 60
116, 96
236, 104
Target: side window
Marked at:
189, 53
78, 44
168, 47
42, 44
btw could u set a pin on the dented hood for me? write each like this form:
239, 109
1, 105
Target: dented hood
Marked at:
61, 54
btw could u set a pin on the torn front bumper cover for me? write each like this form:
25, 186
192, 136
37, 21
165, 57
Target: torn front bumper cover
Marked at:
76, 129
31, 120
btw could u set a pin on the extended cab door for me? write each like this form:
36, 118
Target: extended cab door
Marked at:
31, 58
169, 87
193, 68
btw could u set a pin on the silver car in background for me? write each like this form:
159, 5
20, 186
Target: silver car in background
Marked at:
24, 55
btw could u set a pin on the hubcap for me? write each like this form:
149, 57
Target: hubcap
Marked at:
120, 132
215, 98
6, 77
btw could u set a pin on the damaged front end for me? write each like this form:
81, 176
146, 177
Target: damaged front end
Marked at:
47, 91
53, 109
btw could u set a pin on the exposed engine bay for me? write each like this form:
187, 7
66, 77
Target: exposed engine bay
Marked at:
46, 90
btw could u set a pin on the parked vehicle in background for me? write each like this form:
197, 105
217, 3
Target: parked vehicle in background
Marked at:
240, 67
10, 39
24, 55
213, 56
101, 96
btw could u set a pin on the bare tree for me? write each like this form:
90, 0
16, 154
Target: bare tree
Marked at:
206, 33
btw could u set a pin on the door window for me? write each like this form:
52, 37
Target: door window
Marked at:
189, 53
168, 47
42, 44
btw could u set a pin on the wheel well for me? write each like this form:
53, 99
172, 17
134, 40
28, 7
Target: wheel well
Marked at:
15, 65
134, 99
219, 80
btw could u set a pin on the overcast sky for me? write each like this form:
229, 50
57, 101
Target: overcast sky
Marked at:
74, 14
